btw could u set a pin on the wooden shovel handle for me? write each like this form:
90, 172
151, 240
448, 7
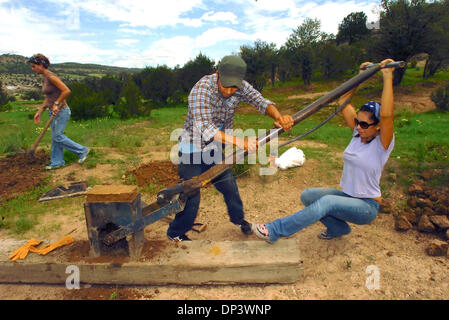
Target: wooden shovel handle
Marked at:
38, 140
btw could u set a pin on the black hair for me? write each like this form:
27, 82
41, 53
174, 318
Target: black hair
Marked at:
40, 59
366, 108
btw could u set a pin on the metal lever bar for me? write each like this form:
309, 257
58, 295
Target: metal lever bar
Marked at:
396, 64
175, 206
315, 106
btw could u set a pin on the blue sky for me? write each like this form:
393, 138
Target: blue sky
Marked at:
149, 33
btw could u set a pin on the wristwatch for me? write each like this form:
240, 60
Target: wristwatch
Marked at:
57, 103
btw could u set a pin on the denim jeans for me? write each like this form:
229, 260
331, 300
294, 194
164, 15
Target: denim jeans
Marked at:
332, 207
59, 141
225, 184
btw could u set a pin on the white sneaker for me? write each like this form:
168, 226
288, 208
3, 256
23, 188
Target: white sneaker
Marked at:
50, 167
84, 157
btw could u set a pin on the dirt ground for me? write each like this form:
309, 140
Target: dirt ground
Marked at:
336, 269
14, 180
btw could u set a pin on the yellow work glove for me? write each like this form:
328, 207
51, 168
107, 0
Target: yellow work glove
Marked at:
50, 247
22, 252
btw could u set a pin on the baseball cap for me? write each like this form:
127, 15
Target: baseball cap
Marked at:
232, 69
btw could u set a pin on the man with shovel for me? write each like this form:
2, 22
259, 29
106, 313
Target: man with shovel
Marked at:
55, 92
210, 117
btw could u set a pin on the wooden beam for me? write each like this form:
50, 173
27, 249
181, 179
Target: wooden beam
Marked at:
161, 263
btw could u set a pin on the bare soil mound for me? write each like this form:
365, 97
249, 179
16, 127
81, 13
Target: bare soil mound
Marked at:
163, 173
20, 172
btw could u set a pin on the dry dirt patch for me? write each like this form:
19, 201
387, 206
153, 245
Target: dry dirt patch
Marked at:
332, 269
21, 172
163, 173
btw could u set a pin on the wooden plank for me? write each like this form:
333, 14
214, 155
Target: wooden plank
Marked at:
163, 262
112, 193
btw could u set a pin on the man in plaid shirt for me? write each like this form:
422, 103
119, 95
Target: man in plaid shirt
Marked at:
208, 127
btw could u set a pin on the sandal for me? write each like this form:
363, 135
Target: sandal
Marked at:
261, 231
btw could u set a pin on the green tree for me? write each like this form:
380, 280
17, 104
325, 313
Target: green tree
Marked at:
157, 84
85, 103
193, 71
307, 34
261, 59
109, 87
404, 31
438, 50
35, 94
352, 28
302, 44
441, 98
131, 103
334, 60
3, 95
285, 64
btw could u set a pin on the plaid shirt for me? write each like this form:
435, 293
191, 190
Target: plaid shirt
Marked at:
210, 112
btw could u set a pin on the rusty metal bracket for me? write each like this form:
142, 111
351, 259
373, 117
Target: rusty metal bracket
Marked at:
154, 213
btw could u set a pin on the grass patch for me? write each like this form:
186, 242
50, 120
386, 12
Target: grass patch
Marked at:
413, 77
20, 214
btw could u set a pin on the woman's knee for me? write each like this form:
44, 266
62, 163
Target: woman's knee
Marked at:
58, 138
307, 196
310, 195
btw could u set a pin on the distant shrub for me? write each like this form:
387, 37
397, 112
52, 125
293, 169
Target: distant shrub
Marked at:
4, 99
86, 103
35, 94
6, 107
441, 98
131, 103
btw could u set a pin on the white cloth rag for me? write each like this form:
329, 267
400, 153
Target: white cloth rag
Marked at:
293, 157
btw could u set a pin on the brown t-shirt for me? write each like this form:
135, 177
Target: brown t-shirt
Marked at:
50, 91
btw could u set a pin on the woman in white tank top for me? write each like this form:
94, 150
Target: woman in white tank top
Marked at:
364, 158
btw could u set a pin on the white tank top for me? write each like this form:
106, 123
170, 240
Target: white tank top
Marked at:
363, 165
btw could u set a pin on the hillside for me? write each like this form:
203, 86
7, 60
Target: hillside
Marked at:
16, 74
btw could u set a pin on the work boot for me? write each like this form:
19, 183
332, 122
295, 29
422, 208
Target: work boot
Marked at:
245, 226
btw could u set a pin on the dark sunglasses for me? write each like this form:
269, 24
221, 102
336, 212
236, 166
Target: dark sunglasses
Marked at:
363, 124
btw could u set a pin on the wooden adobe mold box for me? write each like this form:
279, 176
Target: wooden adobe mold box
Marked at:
112, 193
108, 208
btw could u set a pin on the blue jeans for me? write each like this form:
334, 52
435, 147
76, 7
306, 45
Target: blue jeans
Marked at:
59, 141
332, 207
225, 183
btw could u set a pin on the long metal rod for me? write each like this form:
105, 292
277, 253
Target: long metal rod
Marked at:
299, 116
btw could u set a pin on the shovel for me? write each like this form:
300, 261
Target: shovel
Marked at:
38, 140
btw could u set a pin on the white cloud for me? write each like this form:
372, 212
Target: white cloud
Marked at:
25, 31
220, 16
22, 31
180, 49
141, 12
332, 13
126, 42
274, 21
140, 32
215, 35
